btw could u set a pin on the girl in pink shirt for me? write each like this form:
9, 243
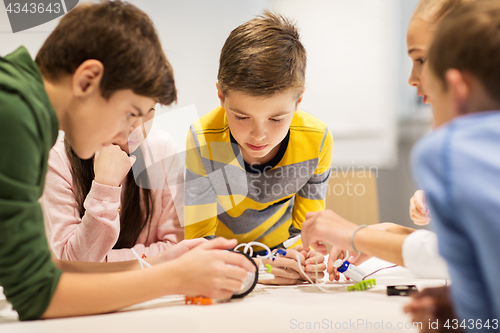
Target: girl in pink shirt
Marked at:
98, 209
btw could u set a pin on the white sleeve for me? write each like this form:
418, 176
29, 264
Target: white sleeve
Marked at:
421, 257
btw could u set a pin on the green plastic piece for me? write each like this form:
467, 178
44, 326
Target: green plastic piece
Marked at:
268, 268
363, 285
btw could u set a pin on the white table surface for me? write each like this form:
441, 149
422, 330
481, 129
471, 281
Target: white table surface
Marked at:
266, 309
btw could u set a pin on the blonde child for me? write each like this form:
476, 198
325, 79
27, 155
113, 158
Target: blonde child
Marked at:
417, 250
458, 165
421, 30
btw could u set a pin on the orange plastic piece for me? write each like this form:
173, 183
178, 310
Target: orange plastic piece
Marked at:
199, 300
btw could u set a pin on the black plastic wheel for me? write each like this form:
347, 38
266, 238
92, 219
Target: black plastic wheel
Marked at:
251, 286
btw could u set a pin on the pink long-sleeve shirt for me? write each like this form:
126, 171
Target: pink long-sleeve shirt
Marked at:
92, 237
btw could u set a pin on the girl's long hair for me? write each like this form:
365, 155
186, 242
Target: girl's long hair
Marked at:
137, 207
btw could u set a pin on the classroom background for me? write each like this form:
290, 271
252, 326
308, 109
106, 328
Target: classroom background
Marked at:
356, 77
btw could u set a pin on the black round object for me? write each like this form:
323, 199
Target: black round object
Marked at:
250, 285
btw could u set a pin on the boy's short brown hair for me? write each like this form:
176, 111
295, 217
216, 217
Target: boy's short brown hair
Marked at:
262, 57
468, 39
120, 36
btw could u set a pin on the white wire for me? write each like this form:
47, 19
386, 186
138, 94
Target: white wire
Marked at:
248, 247
142, 262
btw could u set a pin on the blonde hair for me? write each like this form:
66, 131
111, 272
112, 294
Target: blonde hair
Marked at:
434, 11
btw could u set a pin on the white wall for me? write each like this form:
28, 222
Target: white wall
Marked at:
192, 33
352, 74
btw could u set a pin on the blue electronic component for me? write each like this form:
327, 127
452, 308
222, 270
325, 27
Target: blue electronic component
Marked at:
281, 252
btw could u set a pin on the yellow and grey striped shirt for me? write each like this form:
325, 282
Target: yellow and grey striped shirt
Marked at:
225, 196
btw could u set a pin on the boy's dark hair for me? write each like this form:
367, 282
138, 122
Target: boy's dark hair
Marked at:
122, 38
262, 57
468, 39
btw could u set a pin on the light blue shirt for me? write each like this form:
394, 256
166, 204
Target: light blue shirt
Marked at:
458, 167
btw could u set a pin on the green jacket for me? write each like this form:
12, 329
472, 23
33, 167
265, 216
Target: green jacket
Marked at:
28, 130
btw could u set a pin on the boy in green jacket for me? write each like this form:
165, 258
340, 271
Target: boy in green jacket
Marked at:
99, 71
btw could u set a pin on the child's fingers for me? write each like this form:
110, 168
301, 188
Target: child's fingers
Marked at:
286, 273
421, 222
320, 247
298, 248
314, 258
235, 273
421, 207
419, 219
312, 276
334, 276
414, 212
292, 254
192, 243
417, 216
335, 253
281, 281
232, 285
352, 258
236, 259
133, 158
220, 243
313, 253
312, 268
301, 250
308, 230
285, 267
222, 293
420, 201
311, 215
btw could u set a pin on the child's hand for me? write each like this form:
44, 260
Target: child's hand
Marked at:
310, 263
418, 209
209, 272
111, 165
285, 269
337, 253
179, 249
431, 305
326, 227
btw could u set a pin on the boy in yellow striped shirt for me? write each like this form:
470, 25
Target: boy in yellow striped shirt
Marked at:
257, 164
